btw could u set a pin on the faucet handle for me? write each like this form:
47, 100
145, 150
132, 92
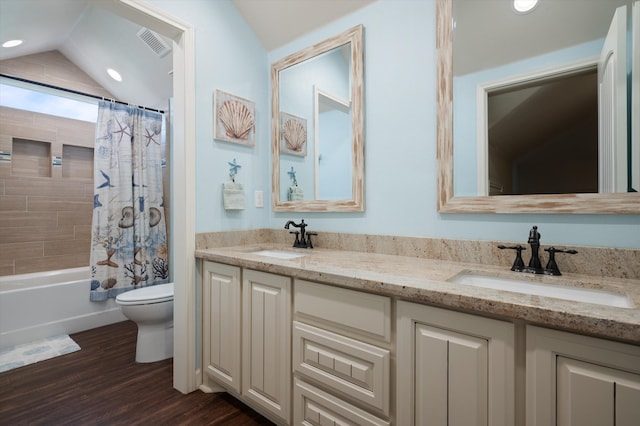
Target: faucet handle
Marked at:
309, 234
552, 266
297, 242
518, 263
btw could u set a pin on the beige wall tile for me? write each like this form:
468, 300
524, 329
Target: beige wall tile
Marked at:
61, 203
25, 132
45, 188
37, 233
12, 220
82, 232
6, 268
14, 203
21, 250
51, 263
81, 216
14, 116
66, 248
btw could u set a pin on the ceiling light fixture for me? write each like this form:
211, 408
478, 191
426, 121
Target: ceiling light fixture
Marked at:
12, 43
114, 74
524, 6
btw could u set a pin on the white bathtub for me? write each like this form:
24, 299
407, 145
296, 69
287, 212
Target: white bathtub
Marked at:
45, 304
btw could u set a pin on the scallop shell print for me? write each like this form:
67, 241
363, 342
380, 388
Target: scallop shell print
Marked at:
294, 134
237, 119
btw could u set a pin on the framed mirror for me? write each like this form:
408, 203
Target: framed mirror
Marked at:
451, 201
317, 127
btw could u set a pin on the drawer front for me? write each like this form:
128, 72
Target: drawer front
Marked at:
353, 368
313, 406
363, 312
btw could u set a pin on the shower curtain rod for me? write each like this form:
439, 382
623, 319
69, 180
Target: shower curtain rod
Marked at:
75, 92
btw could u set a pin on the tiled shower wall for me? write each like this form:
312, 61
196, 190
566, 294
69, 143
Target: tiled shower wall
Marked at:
45, 210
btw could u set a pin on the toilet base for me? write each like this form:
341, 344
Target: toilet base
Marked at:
155, 342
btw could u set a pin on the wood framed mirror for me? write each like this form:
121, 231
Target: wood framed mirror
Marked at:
296, 114
448, 202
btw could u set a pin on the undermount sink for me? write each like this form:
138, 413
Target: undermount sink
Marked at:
278, 254
576, 294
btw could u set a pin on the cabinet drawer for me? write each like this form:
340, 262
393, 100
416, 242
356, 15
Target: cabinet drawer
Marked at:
353, 368
313, 406
362, 312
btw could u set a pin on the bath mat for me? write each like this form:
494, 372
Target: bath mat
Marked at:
40, 350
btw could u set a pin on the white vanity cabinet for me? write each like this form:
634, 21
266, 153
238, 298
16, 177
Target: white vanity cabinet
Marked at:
453, 368
341, 356
247, 336
581, 381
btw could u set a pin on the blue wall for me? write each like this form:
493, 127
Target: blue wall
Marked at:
400, 133
229, 57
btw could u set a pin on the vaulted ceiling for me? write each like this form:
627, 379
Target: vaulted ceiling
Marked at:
95, 39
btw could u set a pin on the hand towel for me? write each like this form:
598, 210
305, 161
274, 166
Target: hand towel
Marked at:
233, 196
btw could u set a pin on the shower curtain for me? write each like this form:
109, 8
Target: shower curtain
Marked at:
129, 238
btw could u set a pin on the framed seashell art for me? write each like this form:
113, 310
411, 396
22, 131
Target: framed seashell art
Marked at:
234, 119
293, 135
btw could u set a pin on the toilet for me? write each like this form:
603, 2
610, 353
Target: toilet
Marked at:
151, 308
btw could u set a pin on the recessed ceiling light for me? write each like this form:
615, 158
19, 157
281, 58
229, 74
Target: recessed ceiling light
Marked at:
12, 43
524, 6
114, 74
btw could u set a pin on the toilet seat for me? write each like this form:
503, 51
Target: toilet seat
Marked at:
147, 295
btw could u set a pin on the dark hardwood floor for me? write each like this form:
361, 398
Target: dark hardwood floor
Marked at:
102, 385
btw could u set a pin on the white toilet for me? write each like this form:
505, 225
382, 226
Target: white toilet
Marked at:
151, 308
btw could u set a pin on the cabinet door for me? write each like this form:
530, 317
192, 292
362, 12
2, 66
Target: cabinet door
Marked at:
593, 395
221, 294
453, 368
267, 341
451, 377
602, 388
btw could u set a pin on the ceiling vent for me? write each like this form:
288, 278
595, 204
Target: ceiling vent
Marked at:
154, 42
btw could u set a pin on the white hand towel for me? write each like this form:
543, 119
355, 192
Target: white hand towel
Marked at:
233, 196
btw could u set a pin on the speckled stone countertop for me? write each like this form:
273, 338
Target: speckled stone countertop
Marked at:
426, 281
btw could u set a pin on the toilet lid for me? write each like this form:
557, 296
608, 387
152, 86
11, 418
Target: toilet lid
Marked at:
152, 294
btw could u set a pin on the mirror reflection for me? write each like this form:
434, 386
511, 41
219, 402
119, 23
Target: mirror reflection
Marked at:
543, 112
317, 127
321, 175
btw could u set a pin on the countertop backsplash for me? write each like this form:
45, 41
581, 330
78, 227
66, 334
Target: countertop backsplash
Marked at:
594, 261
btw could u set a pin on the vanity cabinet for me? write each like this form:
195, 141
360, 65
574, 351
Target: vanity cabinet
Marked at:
341, 356
578, 380
303, 352
453, 368
247, 336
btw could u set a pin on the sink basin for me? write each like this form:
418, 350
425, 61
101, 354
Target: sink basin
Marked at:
576, 294
279, 254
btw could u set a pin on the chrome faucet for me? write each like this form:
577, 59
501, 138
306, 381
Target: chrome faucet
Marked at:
303, 238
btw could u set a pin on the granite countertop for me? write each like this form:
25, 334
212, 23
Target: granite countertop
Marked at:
426, 280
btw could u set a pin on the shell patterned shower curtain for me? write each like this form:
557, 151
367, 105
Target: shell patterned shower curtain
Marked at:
129, 238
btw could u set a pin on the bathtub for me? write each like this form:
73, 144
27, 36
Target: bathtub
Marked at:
44, 304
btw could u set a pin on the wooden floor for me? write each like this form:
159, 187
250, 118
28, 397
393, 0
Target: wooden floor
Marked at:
102, 385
